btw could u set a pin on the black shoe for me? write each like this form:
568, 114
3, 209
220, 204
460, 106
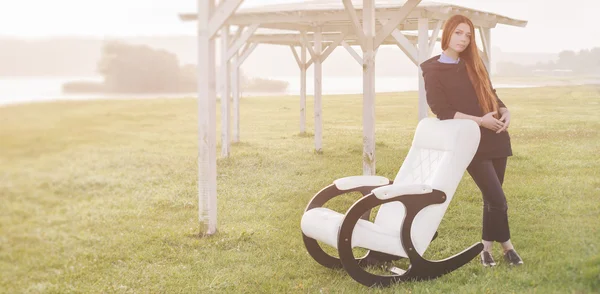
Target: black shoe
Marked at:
487, 259
512, 257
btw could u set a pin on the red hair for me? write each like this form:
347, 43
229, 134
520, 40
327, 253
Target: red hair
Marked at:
478, 74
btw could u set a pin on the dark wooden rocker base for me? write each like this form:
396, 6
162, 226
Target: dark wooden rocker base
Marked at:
317, 253
420, 268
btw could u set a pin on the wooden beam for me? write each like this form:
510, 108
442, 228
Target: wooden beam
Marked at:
245, 47
246, 53
305, 17
318, 108
394, 22
487, 53
207, 158
300, 64
404, 43
296, 40
332, 47
329, 49
406, 46
352, 52
308, 17
237, 35
336, 27
241, 40
225, 81
312, 52
355, 22
483, 36
434, 37
369, 163
476, 22
222, 14
235, 90
423, 55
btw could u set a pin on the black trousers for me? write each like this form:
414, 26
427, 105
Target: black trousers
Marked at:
488, 174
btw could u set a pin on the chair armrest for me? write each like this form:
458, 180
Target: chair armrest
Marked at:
352, 182
390, 191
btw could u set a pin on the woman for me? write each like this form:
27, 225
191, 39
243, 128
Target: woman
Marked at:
458, 87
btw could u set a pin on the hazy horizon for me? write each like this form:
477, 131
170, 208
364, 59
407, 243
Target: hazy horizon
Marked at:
556, 28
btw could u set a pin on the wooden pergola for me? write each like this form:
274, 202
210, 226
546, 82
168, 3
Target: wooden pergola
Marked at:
317, 27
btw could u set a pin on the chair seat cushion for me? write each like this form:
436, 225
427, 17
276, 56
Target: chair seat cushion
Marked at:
323, 224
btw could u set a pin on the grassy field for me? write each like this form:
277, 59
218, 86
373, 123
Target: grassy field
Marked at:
101, 196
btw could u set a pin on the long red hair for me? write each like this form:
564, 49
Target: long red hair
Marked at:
478, 74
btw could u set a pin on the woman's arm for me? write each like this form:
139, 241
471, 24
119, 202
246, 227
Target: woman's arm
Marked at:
504, 113
436, 98
505, 119
437, 101
487, 121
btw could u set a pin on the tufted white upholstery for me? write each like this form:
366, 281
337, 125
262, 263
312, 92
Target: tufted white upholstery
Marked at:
437, 159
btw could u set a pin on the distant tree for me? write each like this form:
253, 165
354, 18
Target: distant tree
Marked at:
130, 68
566, 59
138, 68
582, 62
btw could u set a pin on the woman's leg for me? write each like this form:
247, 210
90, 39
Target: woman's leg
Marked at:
500, 167
489, 175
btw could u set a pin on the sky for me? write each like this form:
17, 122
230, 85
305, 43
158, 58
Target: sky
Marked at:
553, 25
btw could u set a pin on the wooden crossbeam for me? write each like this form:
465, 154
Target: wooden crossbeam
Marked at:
246, 53
395, 21
222, 13
352, 52
329, 49
296, 56
239, 42
355, 22
311, 51
434, 37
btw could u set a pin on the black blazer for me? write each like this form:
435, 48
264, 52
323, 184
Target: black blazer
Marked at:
448, 90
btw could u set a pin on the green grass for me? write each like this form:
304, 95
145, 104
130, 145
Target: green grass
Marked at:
101, 196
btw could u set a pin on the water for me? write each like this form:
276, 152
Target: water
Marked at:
40, 89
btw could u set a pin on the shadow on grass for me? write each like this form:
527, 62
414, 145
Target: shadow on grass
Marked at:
304, 135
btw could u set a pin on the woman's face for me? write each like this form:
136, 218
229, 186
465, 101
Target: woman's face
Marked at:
461, 38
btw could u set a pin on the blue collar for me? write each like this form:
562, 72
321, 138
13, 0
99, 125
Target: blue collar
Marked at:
446, 59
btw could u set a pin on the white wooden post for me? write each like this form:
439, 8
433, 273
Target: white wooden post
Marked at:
207, 158
239, 60
235, 89
225, 81
318, 91
210, 20
303, 88
302, 65
486, 34
369, 88
434, 37
423, 55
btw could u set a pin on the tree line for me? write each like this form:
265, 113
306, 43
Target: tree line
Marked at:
128, 68
583, 62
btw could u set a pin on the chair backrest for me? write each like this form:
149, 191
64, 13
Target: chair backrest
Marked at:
440, 153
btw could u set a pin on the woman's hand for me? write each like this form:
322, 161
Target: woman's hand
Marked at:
505, 119
490, 122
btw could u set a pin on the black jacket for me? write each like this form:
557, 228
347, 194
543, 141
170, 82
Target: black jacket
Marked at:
449, 90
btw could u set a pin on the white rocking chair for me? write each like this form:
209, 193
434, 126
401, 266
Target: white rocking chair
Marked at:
412, 207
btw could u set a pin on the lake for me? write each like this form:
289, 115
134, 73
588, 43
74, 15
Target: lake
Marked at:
39, 89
